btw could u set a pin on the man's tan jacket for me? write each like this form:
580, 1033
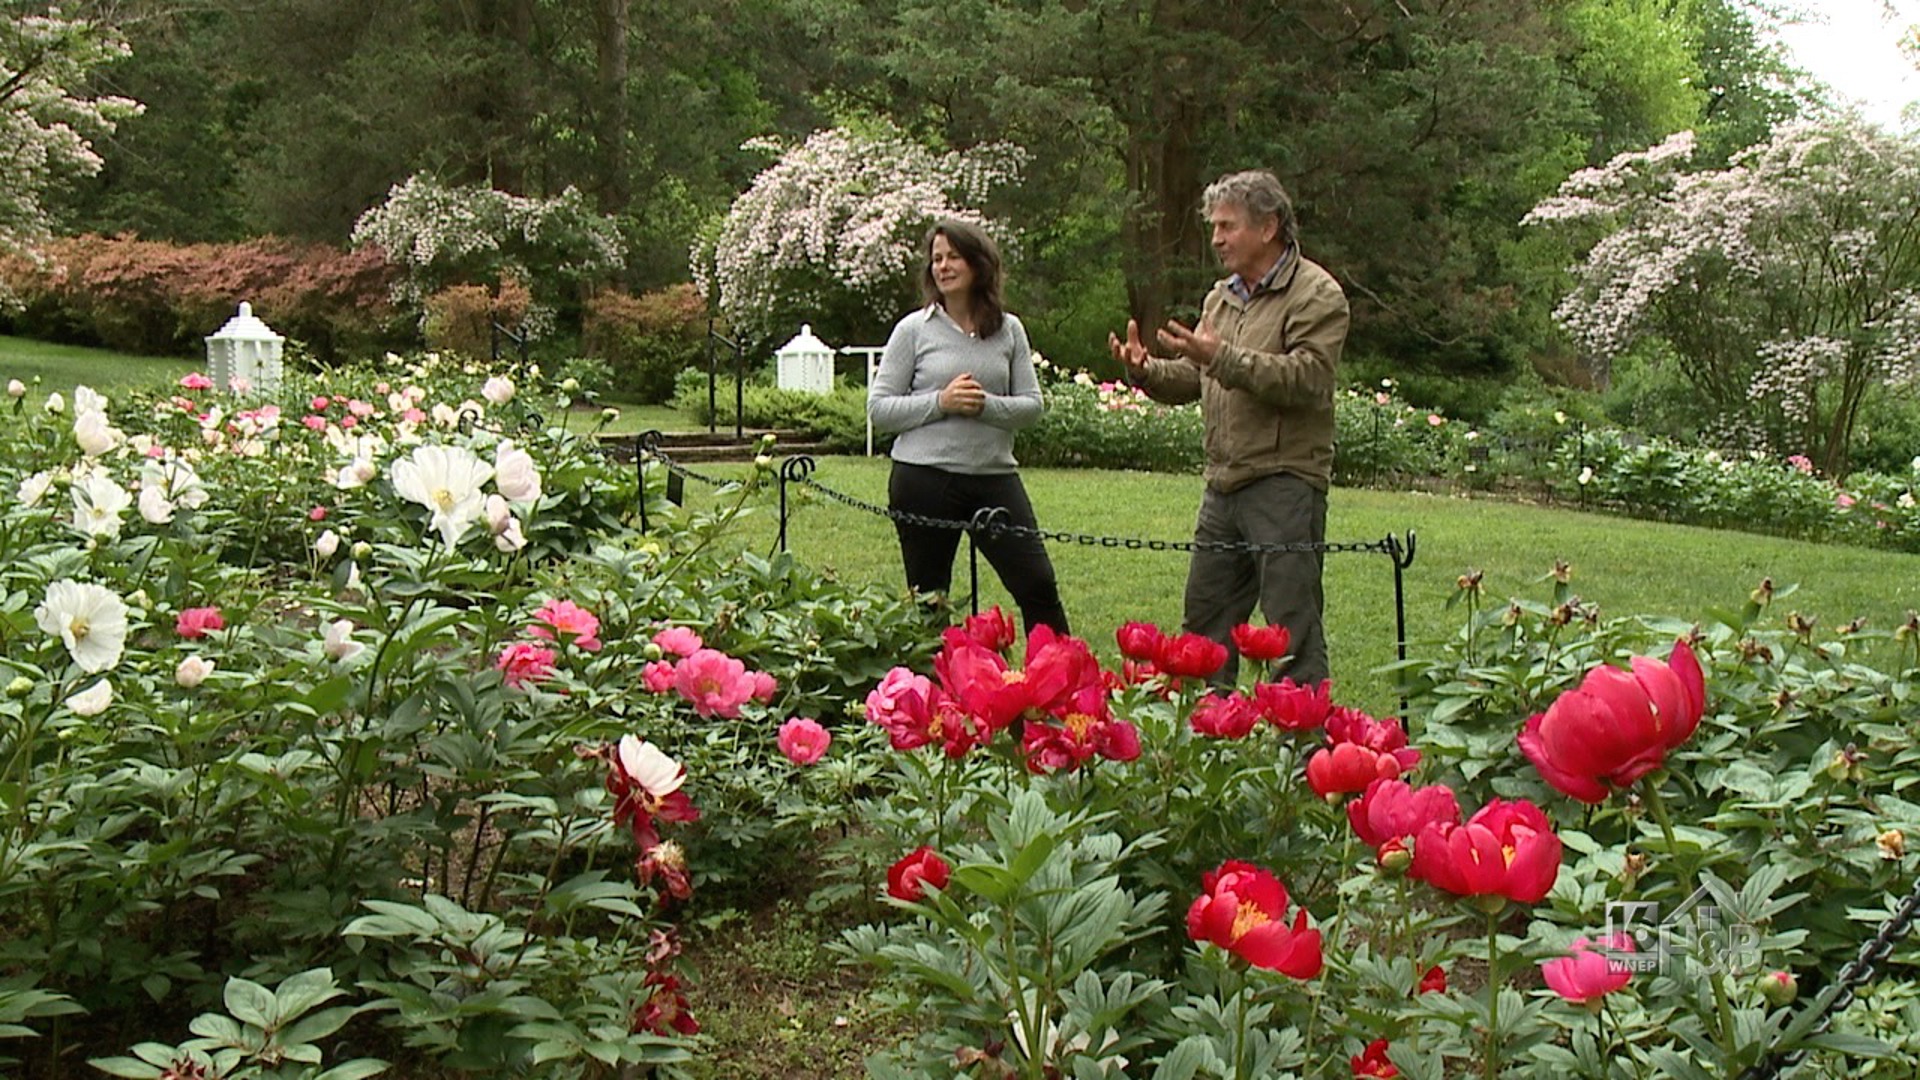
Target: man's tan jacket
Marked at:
1267, 398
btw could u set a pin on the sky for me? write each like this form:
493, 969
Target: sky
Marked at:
1850, 44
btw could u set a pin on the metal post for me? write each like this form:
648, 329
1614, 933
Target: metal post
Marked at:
1402, 558
739, 393
713, 408
643, 444
793, 469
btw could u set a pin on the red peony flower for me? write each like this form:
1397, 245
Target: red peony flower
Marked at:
524, 662
1344, 768
1391, 809
1262, 642
1374, 1061
1139, 641
979, 679
1224, 716
1242, 909
1434, 981
804, 741
1617, 726
1289, 705
198, 622
908, 878
1189, 656
565, 621
1588, 973
1508, 849
992, 629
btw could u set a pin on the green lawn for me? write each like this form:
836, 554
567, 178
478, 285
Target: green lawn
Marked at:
46, 368
1625, 566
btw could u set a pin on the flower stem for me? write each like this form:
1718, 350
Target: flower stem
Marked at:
1240, 1030
1658, 805
1493, 995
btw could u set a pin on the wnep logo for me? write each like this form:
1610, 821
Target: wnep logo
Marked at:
1694, 929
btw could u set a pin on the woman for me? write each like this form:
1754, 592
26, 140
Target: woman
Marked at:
956, 382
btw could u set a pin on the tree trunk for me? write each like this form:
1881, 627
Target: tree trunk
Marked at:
612, 19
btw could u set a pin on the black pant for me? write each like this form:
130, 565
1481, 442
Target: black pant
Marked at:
1021, 561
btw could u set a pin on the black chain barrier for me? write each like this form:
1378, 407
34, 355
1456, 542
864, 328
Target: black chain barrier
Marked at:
991, 521
1835, 999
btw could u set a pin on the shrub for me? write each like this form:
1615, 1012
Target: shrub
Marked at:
646, 340
838, 420
157, 298
461, 318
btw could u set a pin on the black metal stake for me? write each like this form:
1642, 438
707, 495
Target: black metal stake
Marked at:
643, 446
793, 470
1402, 558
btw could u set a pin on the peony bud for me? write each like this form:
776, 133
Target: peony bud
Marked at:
361, 550
193, 671
16, 388
569, 385
652, 651
1779, 988
1395, 858
326, 544
20, 687
609, 414
56, 404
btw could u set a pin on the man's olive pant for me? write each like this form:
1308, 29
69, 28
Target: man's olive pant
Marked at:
1224, 586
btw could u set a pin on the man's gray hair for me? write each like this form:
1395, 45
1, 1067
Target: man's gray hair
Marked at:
1260, 194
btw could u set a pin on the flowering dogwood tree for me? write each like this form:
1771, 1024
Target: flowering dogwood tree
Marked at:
47, 124
1786, 285
443, 235
829, 233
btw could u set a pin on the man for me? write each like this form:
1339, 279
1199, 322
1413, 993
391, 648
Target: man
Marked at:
1261, 363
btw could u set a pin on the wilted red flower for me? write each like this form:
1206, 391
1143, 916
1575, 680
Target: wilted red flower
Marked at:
1262, 642
1508, 849
908, 878
1138, 640
1433, 982
1189, 656
1617, 727
1242, 909
1373, 1062
1224, 716
1587, 973
198, 622
666, 861
992, 629
1392, 809
1289, 705
524, 662
665, 1008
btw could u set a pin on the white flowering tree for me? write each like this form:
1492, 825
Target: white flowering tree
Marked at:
829, 233
442, 234
47, 122
1786, 286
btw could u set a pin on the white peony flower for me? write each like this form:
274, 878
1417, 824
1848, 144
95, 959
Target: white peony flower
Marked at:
339, 644
498, 391
515, 474
98, 503
504, 526
16, 388
154, 506
447, 481
649, 766
89, 618
193, 671
326, 544
175, 480
356, 473
34, 488
93, 700
56, 404
86, 399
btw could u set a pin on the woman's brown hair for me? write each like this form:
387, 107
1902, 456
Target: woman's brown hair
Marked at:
971, 243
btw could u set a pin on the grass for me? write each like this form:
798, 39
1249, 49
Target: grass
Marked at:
46, 368
1623, 565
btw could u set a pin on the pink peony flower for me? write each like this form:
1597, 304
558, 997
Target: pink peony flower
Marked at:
199, 622
1588, 973
803, 741
196, 381
764, 686
563, 621
679, 641
524, 662
714, 683
658, 677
